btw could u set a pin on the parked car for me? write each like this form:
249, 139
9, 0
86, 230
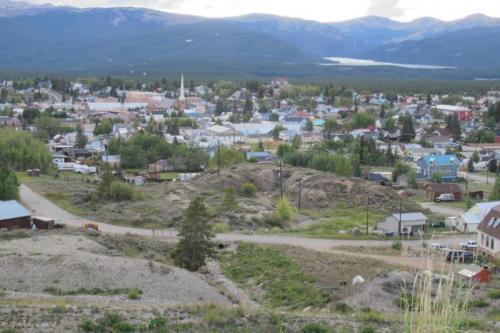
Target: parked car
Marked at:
437, 246
445, 197
469, 245
459, 256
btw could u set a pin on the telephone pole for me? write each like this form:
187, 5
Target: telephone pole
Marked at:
300, 191
281, 180
367, 213
218, 158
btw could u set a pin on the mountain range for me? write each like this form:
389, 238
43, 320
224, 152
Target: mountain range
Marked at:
45, 38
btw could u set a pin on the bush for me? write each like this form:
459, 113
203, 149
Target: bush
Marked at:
315, 328
157, 322
220, 228
273, 220
284, 210
367, 329
343, 308
397, 245
87, 325
249, 190
134, 293
121, 191
494, 294
480, 303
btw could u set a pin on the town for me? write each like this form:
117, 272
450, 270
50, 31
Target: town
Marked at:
323, 200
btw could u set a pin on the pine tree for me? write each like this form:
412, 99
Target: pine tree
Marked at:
81, 139
495, 194
219, 107
309, 125
195, 233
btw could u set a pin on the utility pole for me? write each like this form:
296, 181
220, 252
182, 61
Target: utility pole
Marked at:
367, 213
400, 217
218, 158
300, 191
281, 180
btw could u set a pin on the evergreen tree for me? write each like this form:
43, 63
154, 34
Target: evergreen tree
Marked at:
382, 111
219, 107
195, 233
495, 194
309, 125
229, 203
9, 185
408, 131
453, 124
81, 139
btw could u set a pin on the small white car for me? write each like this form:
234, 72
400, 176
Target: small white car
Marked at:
445, 197
470, 245
437, 246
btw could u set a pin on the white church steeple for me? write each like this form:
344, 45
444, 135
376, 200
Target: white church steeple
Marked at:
181, 93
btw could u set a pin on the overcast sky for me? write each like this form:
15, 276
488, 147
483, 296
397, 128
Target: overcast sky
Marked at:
320, 10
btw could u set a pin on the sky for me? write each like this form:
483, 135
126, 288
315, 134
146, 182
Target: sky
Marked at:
319, 10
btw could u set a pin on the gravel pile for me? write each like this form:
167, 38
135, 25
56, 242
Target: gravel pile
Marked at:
72, 262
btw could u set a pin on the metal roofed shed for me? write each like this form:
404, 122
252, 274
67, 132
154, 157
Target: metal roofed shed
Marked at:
411, 223
14, 216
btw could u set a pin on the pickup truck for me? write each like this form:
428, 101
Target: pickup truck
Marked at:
469, 245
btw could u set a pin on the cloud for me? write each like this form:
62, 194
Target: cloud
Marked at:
385, 8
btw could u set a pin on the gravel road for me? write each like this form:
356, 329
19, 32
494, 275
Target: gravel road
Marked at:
42, 206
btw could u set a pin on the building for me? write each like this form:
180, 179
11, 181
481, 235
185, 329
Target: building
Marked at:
410, 224
463, 113
444, 165
488, 233
14, 216
432, 191
470, 220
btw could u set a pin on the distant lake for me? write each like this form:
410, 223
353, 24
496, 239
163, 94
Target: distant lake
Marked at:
339, 61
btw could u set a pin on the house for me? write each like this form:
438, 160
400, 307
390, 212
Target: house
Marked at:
14, 216
444, 165
463, 113
12, 122
432, 191
261, 156
408, 223
488, 233
476, 274
470, 220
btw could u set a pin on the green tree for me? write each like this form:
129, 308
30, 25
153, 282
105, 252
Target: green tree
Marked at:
81, 139
249, 190
309, 125
229, 203
412, 179
437, 177
475, 157
284, 210
362, 120
228, 157
390, 125
9, 184
408, 130
330, 128
219, 107
20, 151
283, 149
470, 165
276, 131
495, 194
195, 244
453, 124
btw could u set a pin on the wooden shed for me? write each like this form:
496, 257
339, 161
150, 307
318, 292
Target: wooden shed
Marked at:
43, 222
432, 191
14, 216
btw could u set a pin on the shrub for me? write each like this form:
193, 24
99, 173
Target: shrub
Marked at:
220, 228
249, 190
343, 308
123, 327
480, 303
8, 330
2, 293
494, 294
315, 328
157, 322
134, 293
284, 210
397, 245
121, 192
87, 325
273, 220
367, 329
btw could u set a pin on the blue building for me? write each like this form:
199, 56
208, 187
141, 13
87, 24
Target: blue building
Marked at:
445, 165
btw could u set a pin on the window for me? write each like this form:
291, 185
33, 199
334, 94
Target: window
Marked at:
482, 239
492, 244
487, 241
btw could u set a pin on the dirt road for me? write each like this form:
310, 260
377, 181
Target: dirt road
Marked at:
441, 209
43, 207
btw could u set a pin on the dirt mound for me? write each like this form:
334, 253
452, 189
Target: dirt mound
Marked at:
319, 190
72, 262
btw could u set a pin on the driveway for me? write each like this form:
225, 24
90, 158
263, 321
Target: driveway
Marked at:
442, 209
41, 206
